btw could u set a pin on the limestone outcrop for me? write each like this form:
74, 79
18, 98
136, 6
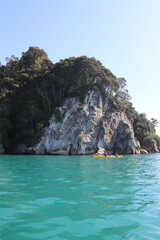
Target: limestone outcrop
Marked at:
83, 128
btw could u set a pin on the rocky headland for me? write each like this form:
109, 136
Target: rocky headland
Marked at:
73, 107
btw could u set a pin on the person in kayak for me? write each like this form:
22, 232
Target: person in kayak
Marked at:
105, 154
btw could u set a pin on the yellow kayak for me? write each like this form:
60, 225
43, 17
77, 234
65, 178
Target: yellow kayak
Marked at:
108, 156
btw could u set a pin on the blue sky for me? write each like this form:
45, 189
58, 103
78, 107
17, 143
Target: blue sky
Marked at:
123, 34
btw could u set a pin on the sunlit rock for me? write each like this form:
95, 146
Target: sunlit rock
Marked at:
83, 128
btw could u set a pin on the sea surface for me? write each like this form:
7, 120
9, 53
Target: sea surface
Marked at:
80, 197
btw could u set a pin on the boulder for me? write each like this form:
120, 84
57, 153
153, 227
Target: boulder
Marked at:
101, 151
143, 151
137, 151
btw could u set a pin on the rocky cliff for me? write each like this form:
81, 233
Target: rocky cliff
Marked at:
31, 90
83, 128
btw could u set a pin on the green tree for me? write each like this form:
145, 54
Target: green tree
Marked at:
143, 128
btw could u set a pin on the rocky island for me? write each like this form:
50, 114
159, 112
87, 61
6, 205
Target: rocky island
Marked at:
72, 107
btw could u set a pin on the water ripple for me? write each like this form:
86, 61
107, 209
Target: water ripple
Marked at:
56, 198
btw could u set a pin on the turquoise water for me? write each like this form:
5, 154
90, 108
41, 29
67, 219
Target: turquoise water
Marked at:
79, 197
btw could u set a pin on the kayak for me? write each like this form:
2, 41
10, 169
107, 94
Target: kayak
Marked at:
108, 156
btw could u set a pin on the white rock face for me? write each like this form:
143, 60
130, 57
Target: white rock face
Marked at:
83, 128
